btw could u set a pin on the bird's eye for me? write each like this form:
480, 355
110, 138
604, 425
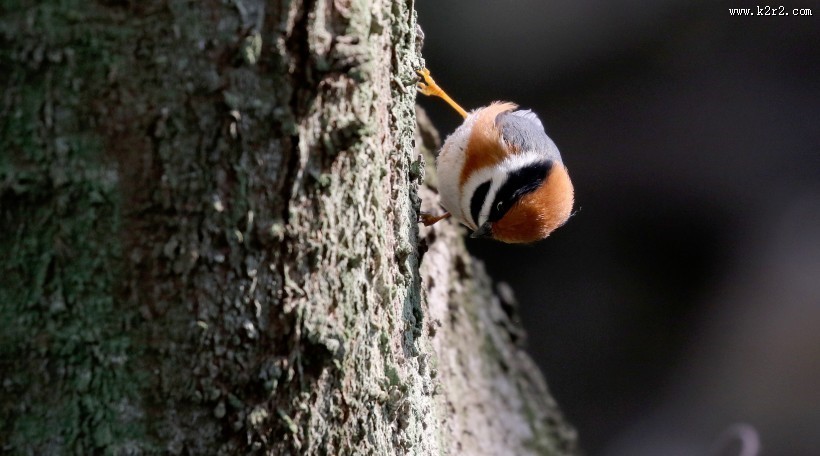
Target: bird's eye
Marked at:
499, 205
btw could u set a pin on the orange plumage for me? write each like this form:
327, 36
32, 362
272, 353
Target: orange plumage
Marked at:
500, 174
484, 147
539, 213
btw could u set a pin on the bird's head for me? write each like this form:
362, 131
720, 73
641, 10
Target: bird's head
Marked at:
529, 205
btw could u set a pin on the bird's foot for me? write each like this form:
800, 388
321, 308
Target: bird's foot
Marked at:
429, 219
428, 86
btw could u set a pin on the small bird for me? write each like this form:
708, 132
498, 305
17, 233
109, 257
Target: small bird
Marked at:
500, 174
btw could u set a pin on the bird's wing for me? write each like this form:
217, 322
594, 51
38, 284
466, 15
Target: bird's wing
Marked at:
524, 131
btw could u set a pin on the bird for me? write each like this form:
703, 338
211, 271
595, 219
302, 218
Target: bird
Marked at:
499, 173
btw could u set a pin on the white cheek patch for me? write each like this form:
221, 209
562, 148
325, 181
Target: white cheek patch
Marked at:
498, 181
478, 178
498, 176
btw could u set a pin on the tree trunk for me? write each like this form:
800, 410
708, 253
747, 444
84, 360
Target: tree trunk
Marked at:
209, 238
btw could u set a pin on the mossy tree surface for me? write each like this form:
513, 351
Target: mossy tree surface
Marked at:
208, 219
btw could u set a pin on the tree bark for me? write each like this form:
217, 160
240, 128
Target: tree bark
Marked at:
208, 215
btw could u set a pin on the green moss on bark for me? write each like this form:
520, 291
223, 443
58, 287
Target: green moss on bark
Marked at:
65, 349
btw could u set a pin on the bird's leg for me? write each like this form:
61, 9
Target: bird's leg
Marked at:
430, 219
430, 88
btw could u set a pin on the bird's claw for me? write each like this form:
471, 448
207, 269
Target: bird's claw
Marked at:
428, 86
429, 219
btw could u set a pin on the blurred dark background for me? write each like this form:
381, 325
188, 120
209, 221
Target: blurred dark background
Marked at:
684, 296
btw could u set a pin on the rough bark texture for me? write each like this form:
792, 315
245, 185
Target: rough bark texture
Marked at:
208, 217
493, 399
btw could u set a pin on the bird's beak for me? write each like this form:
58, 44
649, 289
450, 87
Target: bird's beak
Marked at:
483, 231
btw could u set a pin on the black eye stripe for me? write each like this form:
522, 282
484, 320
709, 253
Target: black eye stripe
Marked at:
477, 201
519, 183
